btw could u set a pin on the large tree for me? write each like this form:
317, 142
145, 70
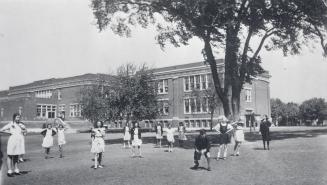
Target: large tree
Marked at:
313, 109
229, 25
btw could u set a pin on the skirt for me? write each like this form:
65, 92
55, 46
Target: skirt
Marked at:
16, 145
97, 145
47, 142
224, 138
136, 142
170, 138
182, 136
61, 140
239, 136
127, 137
265, 136
158, 136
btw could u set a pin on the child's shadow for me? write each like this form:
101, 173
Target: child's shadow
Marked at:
258, 148
25, 172
198, 168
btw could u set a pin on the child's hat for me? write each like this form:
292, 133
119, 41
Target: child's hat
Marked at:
222, 118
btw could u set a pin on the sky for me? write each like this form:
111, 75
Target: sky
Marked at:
42, 39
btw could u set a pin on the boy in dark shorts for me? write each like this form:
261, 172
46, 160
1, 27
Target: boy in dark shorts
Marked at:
201, 146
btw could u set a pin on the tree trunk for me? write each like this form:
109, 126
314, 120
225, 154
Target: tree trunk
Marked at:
218, 87
211, 118
232, 81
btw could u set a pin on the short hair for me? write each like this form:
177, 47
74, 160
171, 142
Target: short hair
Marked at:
61, 126
202, 131
14, 116
181, 123
96, 124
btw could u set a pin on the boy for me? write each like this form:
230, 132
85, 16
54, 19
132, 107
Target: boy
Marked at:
201, 146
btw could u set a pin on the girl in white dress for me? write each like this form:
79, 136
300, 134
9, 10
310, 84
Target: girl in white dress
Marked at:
98, 145
170, 137
136, 139
47, 143
238, 136
61, 138
159, 132
15, 146
127, 136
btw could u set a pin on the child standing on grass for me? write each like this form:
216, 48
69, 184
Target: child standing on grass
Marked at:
238, 136
170, 137
223, 127
15, 145
98, 145
136, 139
127, 136
61, 138
181, 134
47, 143
159, 132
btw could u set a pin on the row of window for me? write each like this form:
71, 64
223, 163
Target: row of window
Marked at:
164, 107
43, 94
164, 123
198, 82
196, 105
50, 111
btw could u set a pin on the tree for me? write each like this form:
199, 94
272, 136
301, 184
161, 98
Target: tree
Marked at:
277, 109
130, 95
313, 109
136, 93
223, 25
291, 112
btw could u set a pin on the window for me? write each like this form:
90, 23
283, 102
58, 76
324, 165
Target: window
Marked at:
195, 105
43, 94
164, 107
1, 112
186, 84
59, 95
248, 97
187, 105
197, 82
75, 110
209, 80
61, 108
46, 111
163, 86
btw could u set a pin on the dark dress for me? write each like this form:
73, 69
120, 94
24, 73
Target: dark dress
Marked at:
264, 129
224, 137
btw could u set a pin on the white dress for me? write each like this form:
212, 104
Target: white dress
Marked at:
15, 144
61, 137
48, 139
170, 135
136, 141
239, 134
127, 135
98, 144
158, 134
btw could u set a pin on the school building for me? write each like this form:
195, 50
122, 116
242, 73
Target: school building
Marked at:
46, 99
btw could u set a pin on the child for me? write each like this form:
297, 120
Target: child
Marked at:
170, 137
98, 145
223, 128
127, 136
24, 132
15, 145
136, 139
47, 143
201, 146
238, 136
159, 132
61, 138
181, 134
265, 133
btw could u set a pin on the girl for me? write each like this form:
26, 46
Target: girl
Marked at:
61, 138
127, 136
181, 134
170, 137
136, 139
15, 146
159, 132
238, 136
223, 128
47, 143
98, 144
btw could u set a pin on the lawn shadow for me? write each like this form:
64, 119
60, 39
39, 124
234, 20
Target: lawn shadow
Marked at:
257, 148
281, 135
198, 168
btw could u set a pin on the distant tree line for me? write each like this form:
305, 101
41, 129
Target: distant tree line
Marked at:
290, 114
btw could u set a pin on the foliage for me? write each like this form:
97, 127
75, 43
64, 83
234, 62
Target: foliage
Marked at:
130, 95
284, 113
313, 109
226, 25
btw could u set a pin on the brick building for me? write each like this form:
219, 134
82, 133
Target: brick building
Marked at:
46, 99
